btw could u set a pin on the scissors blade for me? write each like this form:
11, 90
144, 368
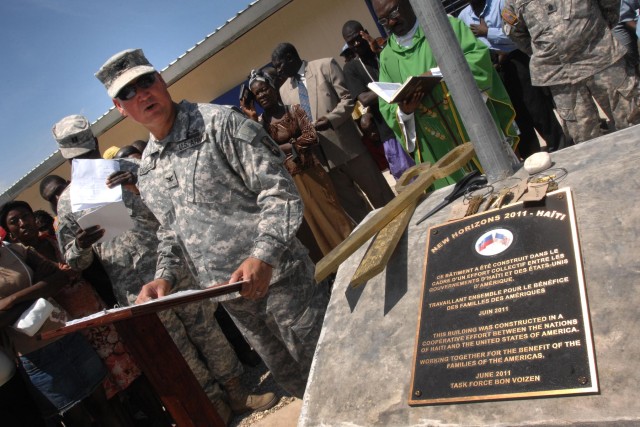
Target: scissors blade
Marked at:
473, 178
440, 205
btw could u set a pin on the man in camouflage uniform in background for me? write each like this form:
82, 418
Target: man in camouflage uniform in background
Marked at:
216, 182
130, 261
575, 54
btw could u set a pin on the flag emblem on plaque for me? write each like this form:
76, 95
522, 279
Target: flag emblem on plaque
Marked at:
494, 242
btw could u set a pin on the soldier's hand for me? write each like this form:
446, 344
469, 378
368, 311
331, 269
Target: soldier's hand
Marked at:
153, 290
127, 179
257, 273
121, 178
87, 237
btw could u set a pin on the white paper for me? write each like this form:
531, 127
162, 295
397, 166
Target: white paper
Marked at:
114, 218
88, 183
180, 294
389, 91
436, 72
384, 90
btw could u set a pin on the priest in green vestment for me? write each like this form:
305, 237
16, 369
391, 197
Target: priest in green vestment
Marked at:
430, 125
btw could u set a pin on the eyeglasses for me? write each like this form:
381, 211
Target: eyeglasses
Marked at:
145, 81
393, 15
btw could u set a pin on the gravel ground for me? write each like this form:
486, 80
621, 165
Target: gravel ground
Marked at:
259, 380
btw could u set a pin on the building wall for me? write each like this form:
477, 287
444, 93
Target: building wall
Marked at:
313, 26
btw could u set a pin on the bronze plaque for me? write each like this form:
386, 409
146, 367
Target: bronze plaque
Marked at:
504, 309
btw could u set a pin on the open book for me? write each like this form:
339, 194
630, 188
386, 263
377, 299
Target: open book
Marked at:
398, 92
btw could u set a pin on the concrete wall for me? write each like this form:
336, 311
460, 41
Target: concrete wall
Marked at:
361, 374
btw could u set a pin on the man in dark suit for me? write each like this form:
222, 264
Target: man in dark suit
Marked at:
319, 87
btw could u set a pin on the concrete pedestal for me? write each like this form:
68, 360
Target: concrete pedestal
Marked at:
362, 369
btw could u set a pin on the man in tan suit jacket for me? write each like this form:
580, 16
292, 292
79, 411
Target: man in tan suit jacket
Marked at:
330, 105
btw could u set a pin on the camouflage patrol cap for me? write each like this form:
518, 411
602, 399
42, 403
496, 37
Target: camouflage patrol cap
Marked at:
122, 68
74, 136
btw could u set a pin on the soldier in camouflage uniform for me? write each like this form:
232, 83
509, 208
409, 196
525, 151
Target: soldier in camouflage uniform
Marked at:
217, 184
574, 53
130, 261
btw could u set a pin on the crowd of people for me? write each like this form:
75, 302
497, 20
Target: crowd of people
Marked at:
260, 193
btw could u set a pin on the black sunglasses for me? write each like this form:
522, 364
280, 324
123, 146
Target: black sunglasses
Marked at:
394, 14
145, 81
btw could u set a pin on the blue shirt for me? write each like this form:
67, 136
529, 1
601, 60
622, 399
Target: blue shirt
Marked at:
628, 10
496, 39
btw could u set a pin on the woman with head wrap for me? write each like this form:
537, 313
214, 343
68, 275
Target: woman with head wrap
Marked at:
290, 127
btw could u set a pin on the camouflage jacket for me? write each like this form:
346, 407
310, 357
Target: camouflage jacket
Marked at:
218, 186
568, 40
129, 259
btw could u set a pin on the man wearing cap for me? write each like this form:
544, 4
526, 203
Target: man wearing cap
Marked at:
130, 261
574, 53
216, 182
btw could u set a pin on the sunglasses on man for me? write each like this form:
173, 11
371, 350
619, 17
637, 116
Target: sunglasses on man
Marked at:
145, 81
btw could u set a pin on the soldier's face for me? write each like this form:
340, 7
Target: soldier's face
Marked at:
152, 107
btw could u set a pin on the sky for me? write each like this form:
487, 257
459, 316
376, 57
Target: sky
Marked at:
52, 48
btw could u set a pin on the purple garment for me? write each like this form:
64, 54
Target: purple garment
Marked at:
398, 159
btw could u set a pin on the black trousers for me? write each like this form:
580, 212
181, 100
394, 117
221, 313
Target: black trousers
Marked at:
17, 407
533, 105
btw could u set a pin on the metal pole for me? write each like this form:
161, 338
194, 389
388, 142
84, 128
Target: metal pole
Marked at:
492, 149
